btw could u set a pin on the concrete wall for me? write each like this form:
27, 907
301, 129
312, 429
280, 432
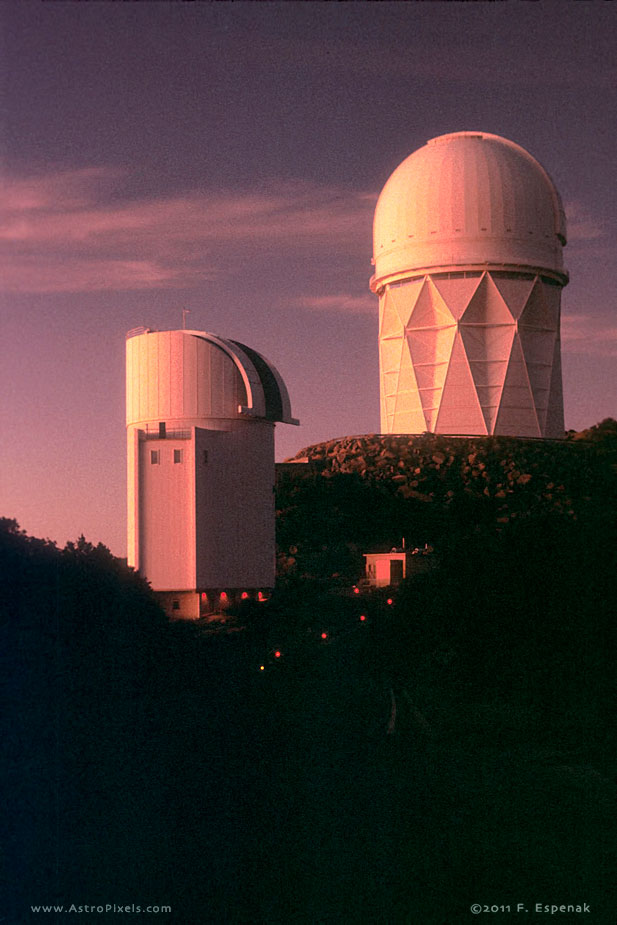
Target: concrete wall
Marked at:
179, 605
234, 498
167, 514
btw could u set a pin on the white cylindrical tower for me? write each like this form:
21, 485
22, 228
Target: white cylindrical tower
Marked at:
200, 414
468, 238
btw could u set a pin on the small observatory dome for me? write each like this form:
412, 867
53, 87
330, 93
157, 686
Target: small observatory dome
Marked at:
468, 199
199, 377
200, 414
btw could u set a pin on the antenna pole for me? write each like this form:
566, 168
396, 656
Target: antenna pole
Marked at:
185, 312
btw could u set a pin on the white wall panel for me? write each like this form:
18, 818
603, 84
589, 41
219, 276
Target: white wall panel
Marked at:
514, 292
457, 293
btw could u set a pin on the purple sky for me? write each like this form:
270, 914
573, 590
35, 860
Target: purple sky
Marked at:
226, 158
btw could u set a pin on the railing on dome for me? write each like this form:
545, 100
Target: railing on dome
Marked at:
135, 332
152, 432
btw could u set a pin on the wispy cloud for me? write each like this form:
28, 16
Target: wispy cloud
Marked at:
339, 302
67, 232
81, 274
584, 334
59, 191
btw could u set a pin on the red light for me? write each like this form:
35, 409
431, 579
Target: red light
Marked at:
324, 635
356, 590
362, 617
223, 596
389, 601
204, 596
277, 654
244, 595
261, 596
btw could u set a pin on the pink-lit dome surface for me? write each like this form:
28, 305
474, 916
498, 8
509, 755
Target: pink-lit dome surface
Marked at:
468, 199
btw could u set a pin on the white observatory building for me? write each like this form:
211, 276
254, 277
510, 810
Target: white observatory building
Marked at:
468, 239
200, 415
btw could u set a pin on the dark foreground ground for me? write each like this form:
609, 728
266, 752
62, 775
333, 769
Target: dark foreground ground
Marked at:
280, 796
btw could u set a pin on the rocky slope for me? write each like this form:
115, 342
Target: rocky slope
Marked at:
339, 499
516, 474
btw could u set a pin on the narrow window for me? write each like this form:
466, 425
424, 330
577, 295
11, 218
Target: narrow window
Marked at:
155, 457
205, 456
175, 605
177, 456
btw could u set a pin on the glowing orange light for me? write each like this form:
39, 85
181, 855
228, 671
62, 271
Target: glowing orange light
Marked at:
324, 635
244, 595
277, 654
262, 667
362, 617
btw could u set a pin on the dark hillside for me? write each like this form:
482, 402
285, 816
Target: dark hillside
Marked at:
358, 493
337, 757
499, 663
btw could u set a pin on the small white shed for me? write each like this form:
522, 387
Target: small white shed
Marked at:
388, 569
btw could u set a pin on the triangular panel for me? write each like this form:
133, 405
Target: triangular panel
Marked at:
486, 305
489, 398
538, 350
430, 351
538, 346
432, 345
390, 323
537, 312
390, 355
390, 402
431, 375
431, 399
430, 309
404, 298
456, 293
514, 292
409, 416
487, 342
488, 350
385, 429
516, 415
489, 395
407, 421
552, 294
459, 411
390, 383
489, 374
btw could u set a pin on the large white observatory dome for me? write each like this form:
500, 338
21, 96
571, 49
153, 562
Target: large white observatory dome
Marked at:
468, 198
468, 240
